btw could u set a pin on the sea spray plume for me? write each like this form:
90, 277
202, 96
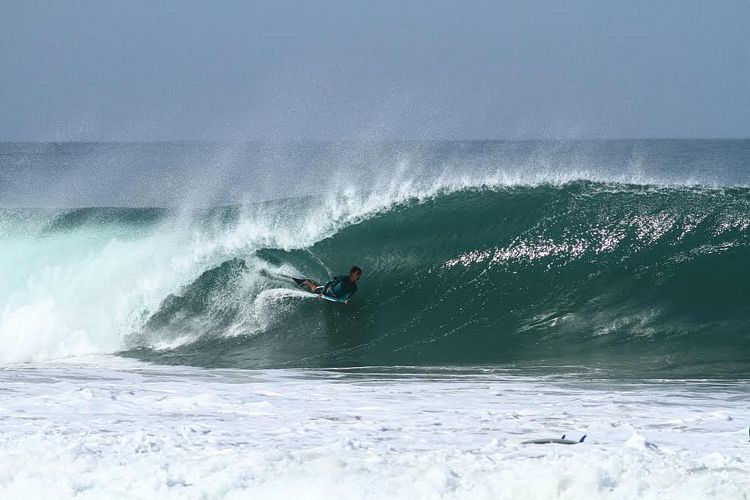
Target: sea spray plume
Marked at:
75, 175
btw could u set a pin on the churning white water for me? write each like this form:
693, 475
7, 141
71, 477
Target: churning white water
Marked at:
112, 428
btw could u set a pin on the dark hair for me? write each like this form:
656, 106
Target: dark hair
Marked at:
355, 269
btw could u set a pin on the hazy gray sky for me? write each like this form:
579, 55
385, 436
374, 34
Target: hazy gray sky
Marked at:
375, 70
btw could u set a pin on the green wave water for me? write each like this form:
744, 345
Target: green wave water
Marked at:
645, 278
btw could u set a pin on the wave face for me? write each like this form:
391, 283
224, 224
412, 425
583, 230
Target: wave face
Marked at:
645, 278
579, 273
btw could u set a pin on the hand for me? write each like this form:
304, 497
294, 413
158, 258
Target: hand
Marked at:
320, 296
346, 302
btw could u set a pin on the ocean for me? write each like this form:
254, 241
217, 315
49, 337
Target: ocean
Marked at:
152, 347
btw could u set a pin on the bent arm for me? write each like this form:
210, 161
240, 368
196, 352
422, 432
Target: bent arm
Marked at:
346, 298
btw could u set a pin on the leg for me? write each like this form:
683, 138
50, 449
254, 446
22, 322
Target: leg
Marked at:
310, 284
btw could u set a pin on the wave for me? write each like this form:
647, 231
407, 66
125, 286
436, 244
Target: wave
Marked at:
591, 273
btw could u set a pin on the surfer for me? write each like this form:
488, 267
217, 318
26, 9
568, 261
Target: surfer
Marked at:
340, 288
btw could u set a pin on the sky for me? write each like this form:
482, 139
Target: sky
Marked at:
373, 70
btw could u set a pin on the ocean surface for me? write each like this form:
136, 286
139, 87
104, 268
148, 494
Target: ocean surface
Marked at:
150, 345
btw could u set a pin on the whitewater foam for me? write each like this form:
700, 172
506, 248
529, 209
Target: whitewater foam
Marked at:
117, 428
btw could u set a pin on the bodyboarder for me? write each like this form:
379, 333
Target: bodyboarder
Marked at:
339, 288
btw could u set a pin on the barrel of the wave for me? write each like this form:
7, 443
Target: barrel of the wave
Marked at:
339, 289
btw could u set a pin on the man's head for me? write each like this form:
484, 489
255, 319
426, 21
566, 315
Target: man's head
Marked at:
354, 274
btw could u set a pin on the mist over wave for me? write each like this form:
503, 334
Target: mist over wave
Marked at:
459, 269
180, 175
